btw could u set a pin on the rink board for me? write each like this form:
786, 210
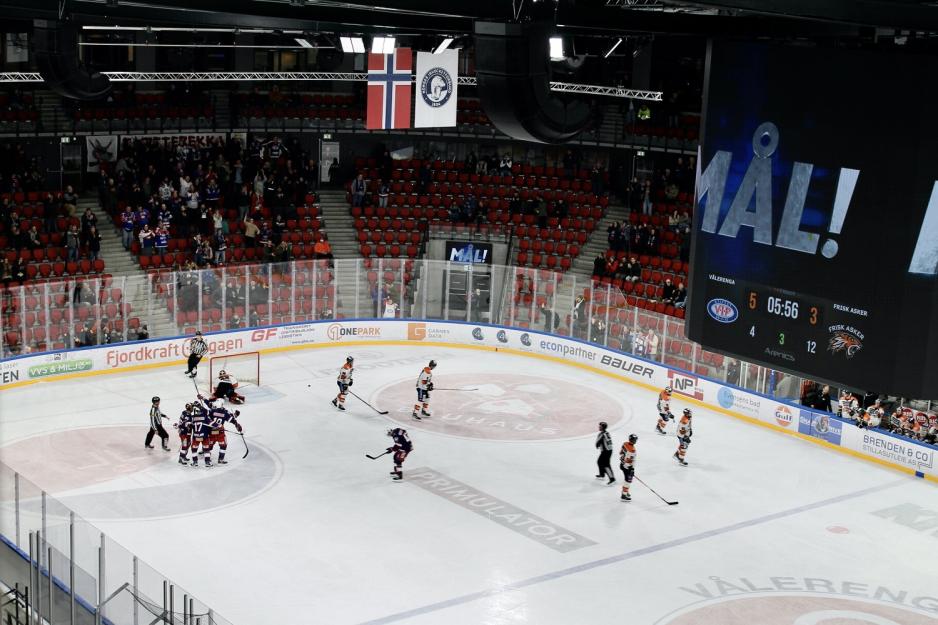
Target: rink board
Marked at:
818, 427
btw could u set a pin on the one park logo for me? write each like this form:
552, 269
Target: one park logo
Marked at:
801, 601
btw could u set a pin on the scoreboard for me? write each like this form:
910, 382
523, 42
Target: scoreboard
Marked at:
815, 243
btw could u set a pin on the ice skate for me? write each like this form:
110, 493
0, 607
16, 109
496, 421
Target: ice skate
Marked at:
679, 459
626, 497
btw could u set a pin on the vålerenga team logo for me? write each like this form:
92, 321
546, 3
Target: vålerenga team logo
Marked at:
436, 87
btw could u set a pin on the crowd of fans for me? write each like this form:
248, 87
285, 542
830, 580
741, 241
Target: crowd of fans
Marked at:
184, 187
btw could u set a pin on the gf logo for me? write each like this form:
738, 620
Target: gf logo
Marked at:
260, 336
416, 331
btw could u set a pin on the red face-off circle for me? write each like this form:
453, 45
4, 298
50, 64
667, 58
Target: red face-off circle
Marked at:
799, 610
506, 406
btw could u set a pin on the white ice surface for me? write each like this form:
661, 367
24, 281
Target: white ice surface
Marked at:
307, 530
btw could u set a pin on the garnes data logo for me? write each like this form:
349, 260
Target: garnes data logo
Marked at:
477, 334
722, 310
845, 340
337, 331
502, 336
416, 331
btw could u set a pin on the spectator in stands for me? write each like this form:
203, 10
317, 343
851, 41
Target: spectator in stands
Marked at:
70, 201
32, 238
6, 271
482, 166
651, 344
551, 319
647, 206
652, 240
88, 219
73, 243
250, 232
597, 330
18, 270
264, 240
504, 167
390, 308
383, 191
277, 229
212, 194
147, 240
599, 266
425, 179
668, 292
597, 175
612, 265
50, 212
94, 243
221, 247
322, 249
732, 371
141, 217
359, 188
127, 227
218, 221
613, 234
204, 254
244, 201
334, 172
680, 295
161, 239
633, 270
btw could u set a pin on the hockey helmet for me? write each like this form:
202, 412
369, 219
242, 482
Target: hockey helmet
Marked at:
390, 432
687, 412
188, 406
156, 399
668, 389
198, 333
349, 359
633, 438
603, 425
432, 364
223, 374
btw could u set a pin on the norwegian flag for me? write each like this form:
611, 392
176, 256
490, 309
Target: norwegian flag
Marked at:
389, 87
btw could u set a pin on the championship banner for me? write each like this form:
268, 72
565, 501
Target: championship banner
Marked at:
436, 89
100, 149
389, 85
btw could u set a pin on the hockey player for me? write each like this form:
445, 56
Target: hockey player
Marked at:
424, 386
664, 410
197, 349
627, 456
225, 389
344, 381
218, 417
201, 433
156, 427
684, 431
604, 445
402, 447
184, 427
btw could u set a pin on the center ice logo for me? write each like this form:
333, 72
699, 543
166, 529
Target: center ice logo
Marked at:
505, 407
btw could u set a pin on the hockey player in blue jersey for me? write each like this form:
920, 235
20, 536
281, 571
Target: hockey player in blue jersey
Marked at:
402, 447
201, 427
219, 416
184, 427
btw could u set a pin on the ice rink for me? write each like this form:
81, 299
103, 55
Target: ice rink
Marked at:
499, 519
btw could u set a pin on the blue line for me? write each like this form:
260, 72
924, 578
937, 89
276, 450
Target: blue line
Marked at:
588, 566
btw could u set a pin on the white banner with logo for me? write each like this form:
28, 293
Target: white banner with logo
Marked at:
100, 149
436, 89
787, 417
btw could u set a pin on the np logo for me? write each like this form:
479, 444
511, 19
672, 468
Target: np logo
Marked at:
436, 87
526, 340
722, 310
477, 334
502, 336
685, 384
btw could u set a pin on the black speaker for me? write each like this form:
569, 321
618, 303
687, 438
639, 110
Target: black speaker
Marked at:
55, 45
513, 73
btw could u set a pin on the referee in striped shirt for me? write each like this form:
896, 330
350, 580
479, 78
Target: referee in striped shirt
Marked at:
604, 445
197, 349
156, 427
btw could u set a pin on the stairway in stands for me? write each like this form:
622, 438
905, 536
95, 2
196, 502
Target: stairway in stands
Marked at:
344, 241
119, 262
598, 242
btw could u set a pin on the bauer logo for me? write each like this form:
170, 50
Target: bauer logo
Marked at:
477, 334
784, 416
502, 336
337, 331
526, 339
722, 310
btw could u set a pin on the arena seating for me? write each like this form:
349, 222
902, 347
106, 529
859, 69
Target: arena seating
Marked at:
126, 108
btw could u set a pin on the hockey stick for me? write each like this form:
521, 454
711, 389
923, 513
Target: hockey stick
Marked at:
455, 389
670, 503
243, 440
378, 456
366, 403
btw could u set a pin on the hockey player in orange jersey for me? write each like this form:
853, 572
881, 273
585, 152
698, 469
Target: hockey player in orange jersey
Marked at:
627, 456
664, 410
424, 386
344, 381
684, 431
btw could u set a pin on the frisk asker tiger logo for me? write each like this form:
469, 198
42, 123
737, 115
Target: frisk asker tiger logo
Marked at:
844, 340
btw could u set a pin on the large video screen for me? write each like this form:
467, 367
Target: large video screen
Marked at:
815, 244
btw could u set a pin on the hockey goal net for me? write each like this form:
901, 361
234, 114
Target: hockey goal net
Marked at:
245, 368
